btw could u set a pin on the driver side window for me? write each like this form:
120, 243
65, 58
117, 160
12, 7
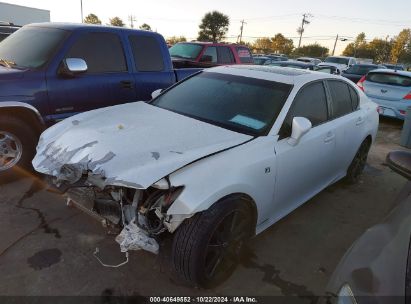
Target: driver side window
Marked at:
311, 103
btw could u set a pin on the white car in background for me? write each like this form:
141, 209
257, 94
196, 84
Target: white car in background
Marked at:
341, 62
213, 160
315, 61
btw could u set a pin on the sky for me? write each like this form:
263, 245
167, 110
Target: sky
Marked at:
264, 18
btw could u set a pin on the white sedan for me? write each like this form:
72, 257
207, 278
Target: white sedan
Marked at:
211, 161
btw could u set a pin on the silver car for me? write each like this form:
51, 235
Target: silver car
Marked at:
390, 89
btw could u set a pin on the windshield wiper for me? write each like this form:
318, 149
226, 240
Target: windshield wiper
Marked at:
7, 63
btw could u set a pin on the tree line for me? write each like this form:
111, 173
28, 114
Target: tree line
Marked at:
396, 49
214, 27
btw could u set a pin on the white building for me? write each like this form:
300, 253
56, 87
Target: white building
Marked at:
22, 15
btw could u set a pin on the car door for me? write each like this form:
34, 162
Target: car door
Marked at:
308, 167
225, 55
348, 120
107, 81
150, 72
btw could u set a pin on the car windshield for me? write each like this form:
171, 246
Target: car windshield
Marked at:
31, 47
241, 104
338, 60
390, 79
185, 50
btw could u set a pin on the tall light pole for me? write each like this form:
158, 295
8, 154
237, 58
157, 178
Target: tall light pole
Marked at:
81, 7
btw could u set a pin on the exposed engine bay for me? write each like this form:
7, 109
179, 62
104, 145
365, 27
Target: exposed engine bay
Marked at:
140, 213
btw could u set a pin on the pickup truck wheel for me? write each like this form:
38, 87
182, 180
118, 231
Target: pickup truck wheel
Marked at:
207, 247
358, 164
17, 147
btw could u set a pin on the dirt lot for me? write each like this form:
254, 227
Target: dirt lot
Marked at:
47, 248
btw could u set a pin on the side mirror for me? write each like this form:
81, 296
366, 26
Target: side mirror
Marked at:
156, 93
206, 58
72, 66
301, 126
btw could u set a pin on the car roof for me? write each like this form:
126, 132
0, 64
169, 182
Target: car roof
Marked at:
340, 57
84, 26
212, 43
399, 72
273, 73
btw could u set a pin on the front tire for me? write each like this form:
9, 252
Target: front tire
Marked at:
206, 248
17, 147
357, 165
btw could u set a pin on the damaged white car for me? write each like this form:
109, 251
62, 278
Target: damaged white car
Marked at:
211, 161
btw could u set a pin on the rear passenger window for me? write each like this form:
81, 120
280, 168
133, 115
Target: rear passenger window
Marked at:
341, 98
354, 98
103, 52
244, 55
311, 103
225, 55
147, 53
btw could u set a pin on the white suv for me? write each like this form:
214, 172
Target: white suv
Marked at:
341, 62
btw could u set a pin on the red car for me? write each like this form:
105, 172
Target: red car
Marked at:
207, 54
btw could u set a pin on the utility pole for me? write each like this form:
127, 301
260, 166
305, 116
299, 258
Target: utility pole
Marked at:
241, 31
81, 7
335, 44
386, 49
300, 30
131, 18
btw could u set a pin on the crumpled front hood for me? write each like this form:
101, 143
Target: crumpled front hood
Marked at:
131, 145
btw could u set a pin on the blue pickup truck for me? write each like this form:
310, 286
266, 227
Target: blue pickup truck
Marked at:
49, 71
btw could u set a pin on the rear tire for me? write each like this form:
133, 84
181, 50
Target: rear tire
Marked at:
357, 165
17, 147
206, 248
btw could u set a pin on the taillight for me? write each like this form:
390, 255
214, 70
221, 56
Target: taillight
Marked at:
380, 110
408, 96
360, 83
402, 112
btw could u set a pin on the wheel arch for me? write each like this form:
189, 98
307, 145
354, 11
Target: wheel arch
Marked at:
250, 202
25, 111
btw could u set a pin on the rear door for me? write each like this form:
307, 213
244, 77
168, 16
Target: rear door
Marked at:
308, 167
107, 81
150, 71
225, 55
348, 120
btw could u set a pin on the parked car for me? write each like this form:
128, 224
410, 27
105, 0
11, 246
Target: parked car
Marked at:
6, 29
356, 71
314, 61
341, 62
206, 54
398, 67
329, 69
50, 71
261, 60
213, 160
377, 267
294, 64
390, 89
277, 57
